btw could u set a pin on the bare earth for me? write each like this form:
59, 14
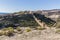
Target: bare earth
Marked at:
47, 34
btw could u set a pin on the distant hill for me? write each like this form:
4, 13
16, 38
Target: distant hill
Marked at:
3, 13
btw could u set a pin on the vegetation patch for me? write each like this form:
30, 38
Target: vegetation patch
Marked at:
28, 29
7, 31
40, 28
57, 31
18, 29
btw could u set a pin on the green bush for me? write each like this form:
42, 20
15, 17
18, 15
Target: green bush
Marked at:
57, 31
28, 29
1, 33
8, 31
4, 29
18, 29
40, 28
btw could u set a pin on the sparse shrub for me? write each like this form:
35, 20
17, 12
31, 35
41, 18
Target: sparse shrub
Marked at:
18, 29
28, 29
5, 33
8, 31
11, 29
4, 29
40, 28
57, 31
58, 25
1, 33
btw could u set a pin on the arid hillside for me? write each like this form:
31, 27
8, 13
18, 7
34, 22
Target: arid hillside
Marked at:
30, 25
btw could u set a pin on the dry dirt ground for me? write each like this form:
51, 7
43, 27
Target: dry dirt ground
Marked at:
47, 34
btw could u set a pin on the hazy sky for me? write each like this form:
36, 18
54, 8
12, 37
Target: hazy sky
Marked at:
18, 5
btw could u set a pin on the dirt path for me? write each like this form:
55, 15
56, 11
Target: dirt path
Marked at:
37, 21
40, 23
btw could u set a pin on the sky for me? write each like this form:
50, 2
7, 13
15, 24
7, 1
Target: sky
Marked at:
21, 5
